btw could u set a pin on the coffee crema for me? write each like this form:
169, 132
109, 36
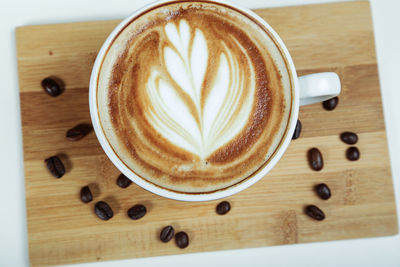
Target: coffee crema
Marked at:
193, 96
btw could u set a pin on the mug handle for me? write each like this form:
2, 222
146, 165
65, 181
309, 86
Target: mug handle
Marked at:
318, 87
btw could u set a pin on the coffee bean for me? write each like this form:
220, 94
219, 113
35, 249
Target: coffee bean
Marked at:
137, 212
52, 86
78, 132
86, 194
167, 233
297, 131
349, 138
182, 239
353, 153
103, 211
55, 166
331, 104
315, 212
315, 159
123, 181
323, 191
223, 208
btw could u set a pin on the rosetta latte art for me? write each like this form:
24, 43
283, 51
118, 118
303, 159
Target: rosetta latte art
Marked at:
190, 98
213, 123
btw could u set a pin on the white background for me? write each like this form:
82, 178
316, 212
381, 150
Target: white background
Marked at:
13, 238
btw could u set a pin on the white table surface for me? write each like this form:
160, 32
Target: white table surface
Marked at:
384, 251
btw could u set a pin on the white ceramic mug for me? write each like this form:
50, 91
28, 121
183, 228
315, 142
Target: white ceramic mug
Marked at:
306, 90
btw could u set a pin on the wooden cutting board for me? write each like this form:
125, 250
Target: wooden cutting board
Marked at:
61, 229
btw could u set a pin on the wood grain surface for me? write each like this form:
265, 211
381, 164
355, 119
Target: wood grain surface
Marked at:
61, 229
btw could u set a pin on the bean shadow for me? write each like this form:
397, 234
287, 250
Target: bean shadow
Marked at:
95, 189
148, 204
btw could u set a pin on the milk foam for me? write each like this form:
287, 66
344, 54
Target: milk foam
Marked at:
218, 121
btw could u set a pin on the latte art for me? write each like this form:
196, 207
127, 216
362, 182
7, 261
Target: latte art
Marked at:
197, 116
193, 96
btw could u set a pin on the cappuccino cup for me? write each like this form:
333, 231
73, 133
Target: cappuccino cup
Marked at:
198, 100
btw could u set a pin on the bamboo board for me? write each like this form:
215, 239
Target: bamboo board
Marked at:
61, 229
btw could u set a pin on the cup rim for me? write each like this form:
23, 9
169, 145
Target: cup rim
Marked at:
206, 196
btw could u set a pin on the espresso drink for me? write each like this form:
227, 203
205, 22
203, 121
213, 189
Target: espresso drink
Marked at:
194, 96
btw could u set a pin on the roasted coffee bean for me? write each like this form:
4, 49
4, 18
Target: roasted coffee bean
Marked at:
353, 153
297, 131
223, 208
55, 166
167, 233
315, 159
137, 212
123, 181
323, 191
103, 211
86, 194
331, 104
349, 138
52, 87
182, 239
315, 212
78, 132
